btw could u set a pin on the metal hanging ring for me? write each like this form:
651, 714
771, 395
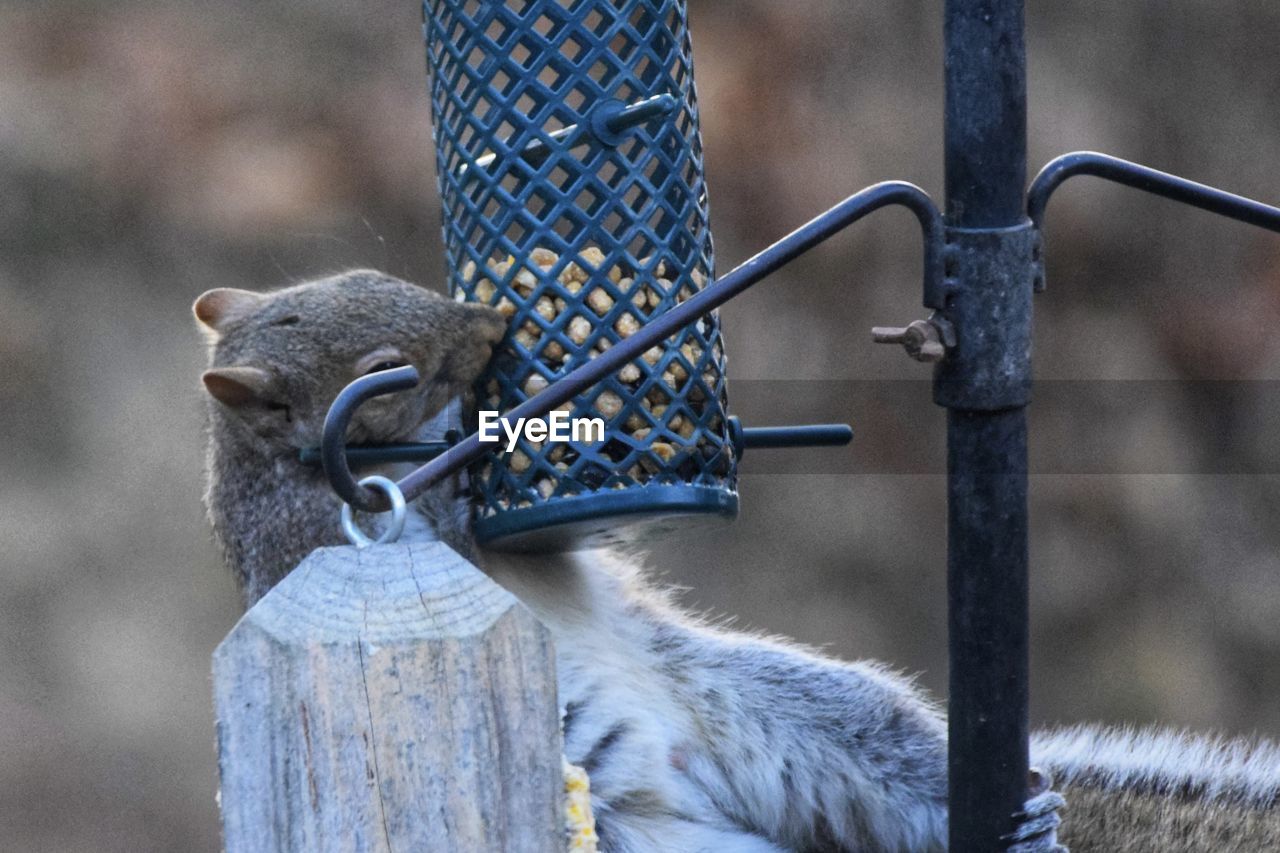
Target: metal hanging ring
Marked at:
356, 536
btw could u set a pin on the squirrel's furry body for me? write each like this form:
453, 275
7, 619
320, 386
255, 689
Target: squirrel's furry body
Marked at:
683, 726
695, 738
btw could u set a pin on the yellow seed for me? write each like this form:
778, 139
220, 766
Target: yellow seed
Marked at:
663, 451
579, 329
675, 422
670, 378
696, 393
552, 351
545, 308
608, 404
593, 256
636, 421
468, 270
627, 325
561, 305
652, 355
676, 371
659, 411
506, 307
519, 462
556, 453
655, 298
641, 434
686, 430
599, 301
546, 487
698, 278
629, 373
544, 257
526, 281
535, 383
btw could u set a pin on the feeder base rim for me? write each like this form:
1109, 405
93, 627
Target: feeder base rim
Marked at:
601, 519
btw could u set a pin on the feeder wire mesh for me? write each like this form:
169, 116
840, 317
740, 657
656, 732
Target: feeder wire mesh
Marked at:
569, 162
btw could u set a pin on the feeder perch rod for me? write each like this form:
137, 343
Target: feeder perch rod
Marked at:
608, 123
805, 435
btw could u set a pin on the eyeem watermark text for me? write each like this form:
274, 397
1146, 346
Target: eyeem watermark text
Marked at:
559, 427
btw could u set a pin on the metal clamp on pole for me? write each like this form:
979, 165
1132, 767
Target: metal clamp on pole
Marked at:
991, 275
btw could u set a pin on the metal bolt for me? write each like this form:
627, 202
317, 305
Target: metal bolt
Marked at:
921, 339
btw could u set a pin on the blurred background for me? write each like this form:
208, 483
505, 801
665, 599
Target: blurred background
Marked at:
149, 151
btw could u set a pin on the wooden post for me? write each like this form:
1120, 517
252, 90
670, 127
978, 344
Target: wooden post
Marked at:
392, 698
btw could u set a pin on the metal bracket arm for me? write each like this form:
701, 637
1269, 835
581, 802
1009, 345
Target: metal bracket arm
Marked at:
1149, 180
654, 332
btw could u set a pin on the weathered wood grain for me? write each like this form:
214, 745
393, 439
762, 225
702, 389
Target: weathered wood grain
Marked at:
392, 698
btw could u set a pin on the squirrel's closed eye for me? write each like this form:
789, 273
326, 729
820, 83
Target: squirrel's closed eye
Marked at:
384, 365
378, 360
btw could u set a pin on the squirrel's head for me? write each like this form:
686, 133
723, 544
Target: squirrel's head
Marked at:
280, 358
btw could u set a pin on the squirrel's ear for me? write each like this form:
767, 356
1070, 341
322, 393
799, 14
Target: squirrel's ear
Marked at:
218, 308
477, 328
237, 387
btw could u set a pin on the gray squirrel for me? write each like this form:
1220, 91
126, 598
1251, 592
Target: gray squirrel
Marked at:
695, 738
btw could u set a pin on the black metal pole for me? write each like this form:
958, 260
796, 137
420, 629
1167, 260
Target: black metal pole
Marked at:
985, 385
986, 113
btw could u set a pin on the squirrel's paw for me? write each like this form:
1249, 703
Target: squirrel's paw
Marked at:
1038, 821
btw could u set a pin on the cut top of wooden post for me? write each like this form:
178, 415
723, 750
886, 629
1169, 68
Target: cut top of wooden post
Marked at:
391, 698
421, 590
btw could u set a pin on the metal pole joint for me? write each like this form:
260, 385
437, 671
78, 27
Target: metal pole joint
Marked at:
991, 274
